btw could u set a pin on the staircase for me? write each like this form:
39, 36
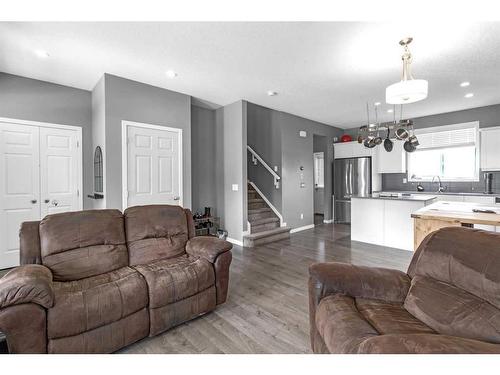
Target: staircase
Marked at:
265, 225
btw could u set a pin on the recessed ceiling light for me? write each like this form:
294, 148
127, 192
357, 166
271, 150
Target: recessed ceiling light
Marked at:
41, 53
469, 95
377, 104
464, 84
171, 74
390, 110
272, 93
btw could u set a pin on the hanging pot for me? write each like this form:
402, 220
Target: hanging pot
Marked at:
401, 132
413, 138
388, 145
409, 147
369, 142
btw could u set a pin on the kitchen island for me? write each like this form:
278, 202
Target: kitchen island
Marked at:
386, 220
453, 214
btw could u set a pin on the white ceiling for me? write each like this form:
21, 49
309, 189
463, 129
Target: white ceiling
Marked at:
322, 71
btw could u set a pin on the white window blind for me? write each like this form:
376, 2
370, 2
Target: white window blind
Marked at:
450, 152
448, 136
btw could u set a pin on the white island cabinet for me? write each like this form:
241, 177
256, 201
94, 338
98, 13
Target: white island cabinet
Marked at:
385, 221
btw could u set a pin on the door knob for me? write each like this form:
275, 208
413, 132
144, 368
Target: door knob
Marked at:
55, 203
177, 198
33, 201
47, 200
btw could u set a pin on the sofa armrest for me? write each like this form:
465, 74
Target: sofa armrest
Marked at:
207, 247
27, 284
357, 281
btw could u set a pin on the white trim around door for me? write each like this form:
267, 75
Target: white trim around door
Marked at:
125, 125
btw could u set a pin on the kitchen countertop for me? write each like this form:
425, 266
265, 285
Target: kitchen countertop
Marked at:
413, 198
459, 212
435, 193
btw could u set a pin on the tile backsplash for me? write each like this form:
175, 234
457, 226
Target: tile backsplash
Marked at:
394, 181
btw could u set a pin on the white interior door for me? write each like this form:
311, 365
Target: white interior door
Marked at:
40, 174
153, 166
59, 171
19, 186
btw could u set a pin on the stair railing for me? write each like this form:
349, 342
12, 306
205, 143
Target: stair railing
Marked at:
256, 158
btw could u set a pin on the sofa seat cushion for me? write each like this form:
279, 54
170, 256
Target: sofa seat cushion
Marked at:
422, 343
86, 304
341, 325
453, 311
345, 323
173, 279
390, 317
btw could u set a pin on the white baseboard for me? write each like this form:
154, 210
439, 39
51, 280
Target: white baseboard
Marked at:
233, 241
299, 229
328, 221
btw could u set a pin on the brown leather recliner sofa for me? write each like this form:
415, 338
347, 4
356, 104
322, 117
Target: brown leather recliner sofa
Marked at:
96, 281
447, 302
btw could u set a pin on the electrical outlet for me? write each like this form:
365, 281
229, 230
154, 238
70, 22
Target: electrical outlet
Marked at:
234, 187
405, 180
276, 168
301, 216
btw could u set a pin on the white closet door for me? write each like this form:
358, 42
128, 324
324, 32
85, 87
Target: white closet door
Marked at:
19, 186
153, 171
59, 171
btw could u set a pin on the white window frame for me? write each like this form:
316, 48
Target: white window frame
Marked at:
316, 156
473, 124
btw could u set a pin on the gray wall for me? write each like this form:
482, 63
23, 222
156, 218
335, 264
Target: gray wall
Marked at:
134, 101
298, 152
275, 135
203, 159
99, 133
29, 99
264, 136
235, 168
487, 117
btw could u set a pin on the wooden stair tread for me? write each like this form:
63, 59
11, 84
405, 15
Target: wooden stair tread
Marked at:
259, 210
267, 233
265, 220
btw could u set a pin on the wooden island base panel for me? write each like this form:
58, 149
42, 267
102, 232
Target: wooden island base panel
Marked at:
453, 214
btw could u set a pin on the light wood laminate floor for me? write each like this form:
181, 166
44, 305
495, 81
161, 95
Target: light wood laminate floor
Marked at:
267, 306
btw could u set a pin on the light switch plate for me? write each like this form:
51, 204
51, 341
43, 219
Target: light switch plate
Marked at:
405, 180
303, 133
234, 187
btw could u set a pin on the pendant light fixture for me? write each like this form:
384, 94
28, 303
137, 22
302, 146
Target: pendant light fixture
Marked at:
408, 90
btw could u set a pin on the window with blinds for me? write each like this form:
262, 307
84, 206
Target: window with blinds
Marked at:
450, 152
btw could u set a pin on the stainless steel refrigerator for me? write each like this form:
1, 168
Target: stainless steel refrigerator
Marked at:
350, 177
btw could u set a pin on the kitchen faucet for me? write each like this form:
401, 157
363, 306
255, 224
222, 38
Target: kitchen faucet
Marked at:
441, 188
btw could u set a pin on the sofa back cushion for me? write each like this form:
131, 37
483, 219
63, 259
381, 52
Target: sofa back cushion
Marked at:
456, 283
155, 232
76, 245
452, 311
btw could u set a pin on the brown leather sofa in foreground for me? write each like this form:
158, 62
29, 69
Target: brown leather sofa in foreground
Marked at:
96, 281
447, 302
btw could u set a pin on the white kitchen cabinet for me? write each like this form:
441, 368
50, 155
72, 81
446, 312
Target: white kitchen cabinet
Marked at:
350, 150
490, 150
367, 220
391, 162
384, 222
398, 224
